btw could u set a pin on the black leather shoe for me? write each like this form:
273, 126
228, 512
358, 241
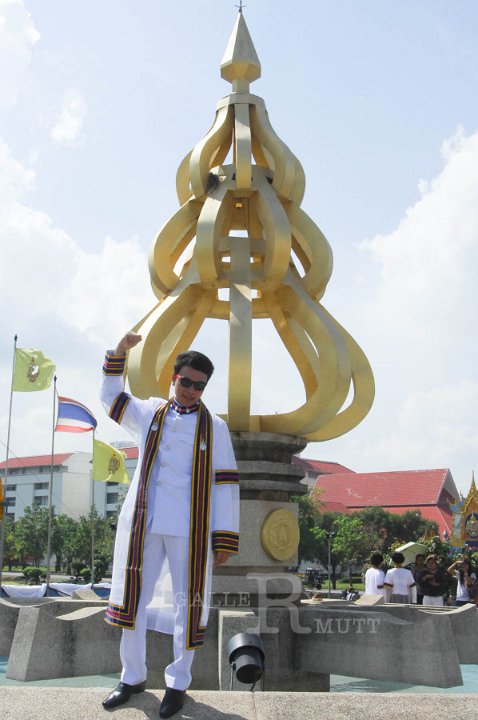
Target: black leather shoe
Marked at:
173, 701
122, 694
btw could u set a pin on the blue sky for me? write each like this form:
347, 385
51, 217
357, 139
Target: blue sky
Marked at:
99, 103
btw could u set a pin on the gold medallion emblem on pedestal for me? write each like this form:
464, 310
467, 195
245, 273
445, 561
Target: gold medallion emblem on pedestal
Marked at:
280, 534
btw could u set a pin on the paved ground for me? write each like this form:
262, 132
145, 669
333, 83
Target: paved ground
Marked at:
85, 704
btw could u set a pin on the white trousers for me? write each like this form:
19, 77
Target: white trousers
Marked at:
133, 642
431, 600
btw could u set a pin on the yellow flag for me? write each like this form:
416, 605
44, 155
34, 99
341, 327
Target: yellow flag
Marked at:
33, 371
108, 463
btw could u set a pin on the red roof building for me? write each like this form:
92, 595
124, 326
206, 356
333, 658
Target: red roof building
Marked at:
429, 491
313, 468
34, 461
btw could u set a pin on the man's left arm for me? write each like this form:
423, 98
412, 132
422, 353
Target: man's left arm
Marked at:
225, 496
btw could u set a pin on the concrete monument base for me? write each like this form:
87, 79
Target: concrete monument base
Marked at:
303, 644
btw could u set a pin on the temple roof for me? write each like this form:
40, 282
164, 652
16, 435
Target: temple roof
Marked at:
321, 467
401, 488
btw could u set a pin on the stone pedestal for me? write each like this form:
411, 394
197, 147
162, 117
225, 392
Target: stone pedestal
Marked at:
268, 480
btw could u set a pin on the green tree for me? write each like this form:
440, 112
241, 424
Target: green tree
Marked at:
311, 546
63, 541
351, 543
103, 539
31, 535
443, 550
410, 526
376, 525
324, 531
9, 547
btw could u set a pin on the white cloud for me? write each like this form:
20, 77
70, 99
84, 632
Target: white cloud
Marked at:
48, 274
426, 263
15, 179
71, 118
421, 325
61, 299
109, 291
435, 428
18, 35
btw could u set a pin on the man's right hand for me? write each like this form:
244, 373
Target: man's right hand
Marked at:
127, 342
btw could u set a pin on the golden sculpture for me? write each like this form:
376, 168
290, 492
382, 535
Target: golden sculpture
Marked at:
240, 248
464, 530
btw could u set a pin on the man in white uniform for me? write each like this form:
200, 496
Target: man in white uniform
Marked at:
181, 511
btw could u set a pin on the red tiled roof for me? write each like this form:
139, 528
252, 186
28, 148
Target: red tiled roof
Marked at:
58, 459
36, 461
320, 466
401, 488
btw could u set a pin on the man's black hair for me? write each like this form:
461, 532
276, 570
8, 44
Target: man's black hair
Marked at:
398, 558
196, 360
376, 559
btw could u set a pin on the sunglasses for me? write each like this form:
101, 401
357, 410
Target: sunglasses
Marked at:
186, 382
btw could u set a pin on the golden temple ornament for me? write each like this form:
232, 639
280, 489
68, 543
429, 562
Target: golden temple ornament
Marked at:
464, 526
239, 249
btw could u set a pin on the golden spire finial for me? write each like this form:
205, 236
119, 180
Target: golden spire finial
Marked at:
240, 64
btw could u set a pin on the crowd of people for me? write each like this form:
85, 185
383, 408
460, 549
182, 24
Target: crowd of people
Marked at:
424, 583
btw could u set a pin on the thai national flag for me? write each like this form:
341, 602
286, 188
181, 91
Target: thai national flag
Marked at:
74, 417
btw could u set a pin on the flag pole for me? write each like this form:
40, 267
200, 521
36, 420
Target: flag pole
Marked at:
93, 518
50, 491
4, 494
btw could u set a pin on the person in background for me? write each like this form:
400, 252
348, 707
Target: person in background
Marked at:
432, 581
352, 593
375, 577
399, 582
418, 566
465, 579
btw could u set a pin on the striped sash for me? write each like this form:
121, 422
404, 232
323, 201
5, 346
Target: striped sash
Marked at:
199, 527
124, 615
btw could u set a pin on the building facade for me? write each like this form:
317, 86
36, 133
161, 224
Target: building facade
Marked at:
432, 492
28, 484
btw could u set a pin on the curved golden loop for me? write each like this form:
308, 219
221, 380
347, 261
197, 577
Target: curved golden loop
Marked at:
327, 375
364, 393
183, 186
275, 231
167, 331
314, 247
288, 174
211, 226
170, 243
205, 151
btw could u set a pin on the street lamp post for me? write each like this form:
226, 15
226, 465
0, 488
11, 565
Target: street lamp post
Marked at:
330, 535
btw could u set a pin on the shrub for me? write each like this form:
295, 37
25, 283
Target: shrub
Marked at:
34, 575
76, 569
85, 574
